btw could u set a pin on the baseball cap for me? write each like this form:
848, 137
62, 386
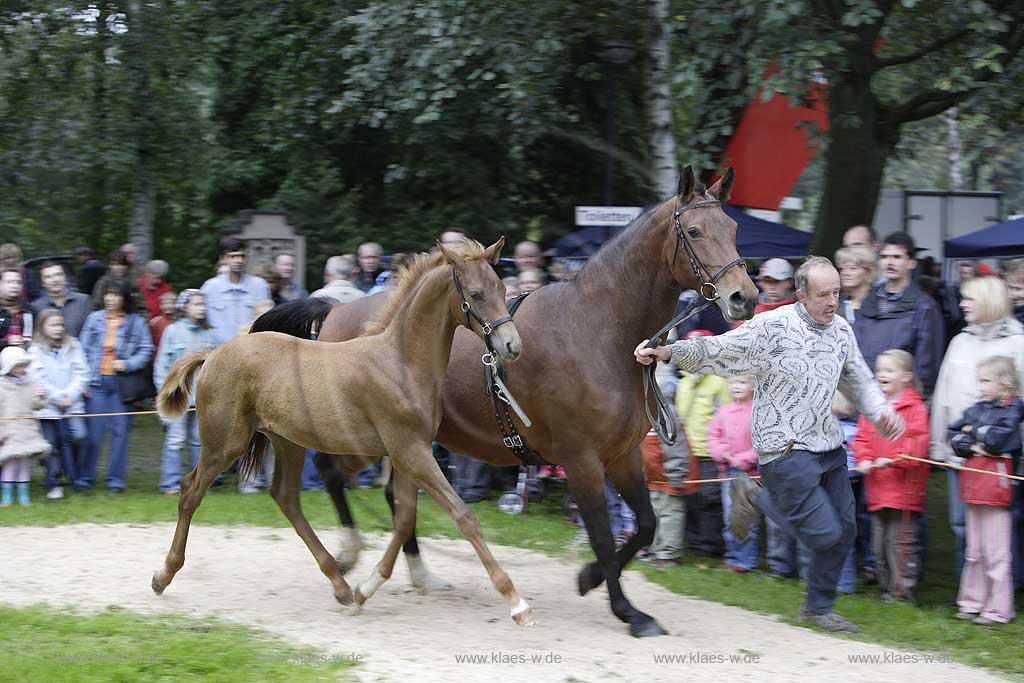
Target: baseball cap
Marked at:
776, 269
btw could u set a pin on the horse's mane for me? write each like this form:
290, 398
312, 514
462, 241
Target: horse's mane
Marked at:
410, 276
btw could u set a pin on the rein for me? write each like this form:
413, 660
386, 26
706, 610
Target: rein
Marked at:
665, 423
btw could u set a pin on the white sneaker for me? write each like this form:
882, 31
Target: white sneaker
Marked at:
56, 493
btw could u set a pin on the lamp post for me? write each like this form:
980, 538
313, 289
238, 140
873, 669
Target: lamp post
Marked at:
614, 54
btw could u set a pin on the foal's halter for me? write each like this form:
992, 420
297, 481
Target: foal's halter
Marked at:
496, 386
665, 423
486, 328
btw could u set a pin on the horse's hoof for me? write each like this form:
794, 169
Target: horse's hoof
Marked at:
432, 584
590, 578
344, 599
525, 618
354, 609
646, 628
157, 587
346, 560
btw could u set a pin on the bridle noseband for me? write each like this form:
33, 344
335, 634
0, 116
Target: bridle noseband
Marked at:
708, 290
485, 327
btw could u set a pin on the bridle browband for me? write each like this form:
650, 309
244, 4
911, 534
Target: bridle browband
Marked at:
665, 424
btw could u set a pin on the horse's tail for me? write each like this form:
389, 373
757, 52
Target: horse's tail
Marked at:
172, 401
296, 318
249, 464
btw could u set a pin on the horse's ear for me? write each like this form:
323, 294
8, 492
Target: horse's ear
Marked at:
687, 183
449, 255
493, 252
723, 188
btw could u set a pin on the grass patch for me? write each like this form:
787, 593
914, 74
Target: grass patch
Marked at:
38, 644
926, 627
544, 529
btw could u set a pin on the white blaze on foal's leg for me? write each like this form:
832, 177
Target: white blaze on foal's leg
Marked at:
522, 614
365, 591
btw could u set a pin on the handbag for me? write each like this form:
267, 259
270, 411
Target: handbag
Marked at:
985, 489
136, 386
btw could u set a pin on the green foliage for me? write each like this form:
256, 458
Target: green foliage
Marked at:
396, 120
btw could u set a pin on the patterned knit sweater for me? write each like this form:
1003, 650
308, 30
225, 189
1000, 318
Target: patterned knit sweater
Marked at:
797, 365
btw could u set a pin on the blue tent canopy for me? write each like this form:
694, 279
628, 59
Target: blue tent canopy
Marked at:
756, 238
1001, 239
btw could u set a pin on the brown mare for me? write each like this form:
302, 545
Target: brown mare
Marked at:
578, 381
374, 396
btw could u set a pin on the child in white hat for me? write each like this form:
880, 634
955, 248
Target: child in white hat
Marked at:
20, 439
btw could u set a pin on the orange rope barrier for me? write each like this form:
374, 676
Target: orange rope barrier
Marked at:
68, 417
965, 469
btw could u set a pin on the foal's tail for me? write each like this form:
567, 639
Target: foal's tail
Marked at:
172, 401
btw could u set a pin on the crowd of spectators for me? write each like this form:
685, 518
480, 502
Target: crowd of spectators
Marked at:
940, 351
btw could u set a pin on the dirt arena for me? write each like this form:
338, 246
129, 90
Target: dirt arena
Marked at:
265, 578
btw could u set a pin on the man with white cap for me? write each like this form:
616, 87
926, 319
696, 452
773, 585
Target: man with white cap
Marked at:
776, 282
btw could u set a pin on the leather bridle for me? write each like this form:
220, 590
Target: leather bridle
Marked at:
486, 328
708, 290
665, 423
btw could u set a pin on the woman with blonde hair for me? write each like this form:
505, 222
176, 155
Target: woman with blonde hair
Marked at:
858, 268
991, 330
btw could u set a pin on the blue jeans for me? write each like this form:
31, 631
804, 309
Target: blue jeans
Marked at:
69, 440
472, 478
743, 555
809, 496
782, 551
621, 516
957, 519
310, 477
863, 545
185, 428
105, 398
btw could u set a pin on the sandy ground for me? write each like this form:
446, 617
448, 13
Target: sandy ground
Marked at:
266, 578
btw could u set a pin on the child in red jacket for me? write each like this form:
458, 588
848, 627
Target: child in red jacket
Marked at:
988, 435
896, 485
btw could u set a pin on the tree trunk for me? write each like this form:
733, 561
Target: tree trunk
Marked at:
664, 166
144, 195
956, 178
96, 209
860, 141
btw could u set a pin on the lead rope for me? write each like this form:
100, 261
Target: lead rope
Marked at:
665, 424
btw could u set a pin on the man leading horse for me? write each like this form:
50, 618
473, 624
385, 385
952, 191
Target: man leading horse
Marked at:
799, 355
